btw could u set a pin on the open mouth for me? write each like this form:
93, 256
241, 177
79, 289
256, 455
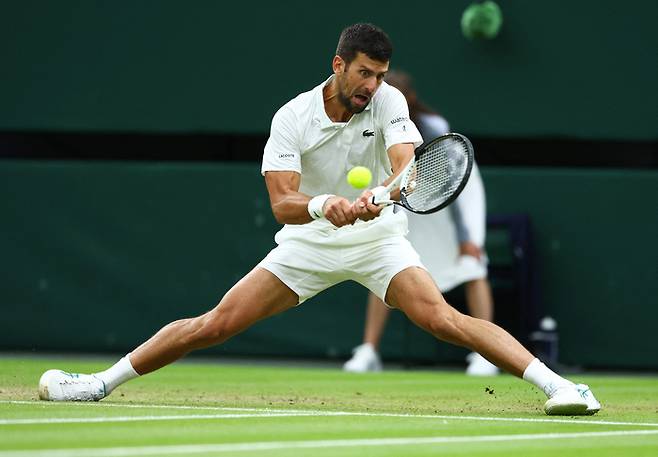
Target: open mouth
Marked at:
362, 99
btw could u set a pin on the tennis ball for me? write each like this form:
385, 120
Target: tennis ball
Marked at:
482, 20
359, 177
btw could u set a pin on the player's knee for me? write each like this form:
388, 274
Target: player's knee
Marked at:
444, 324
439, 324
216, 331
205, 331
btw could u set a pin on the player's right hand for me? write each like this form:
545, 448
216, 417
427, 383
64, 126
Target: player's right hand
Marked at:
363, 207
338, 211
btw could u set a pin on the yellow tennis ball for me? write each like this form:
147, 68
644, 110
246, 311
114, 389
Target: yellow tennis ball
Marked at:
359, 177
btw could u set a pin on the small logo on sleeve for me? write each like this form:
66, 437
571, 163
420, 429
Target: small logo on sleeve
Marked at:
367, 132
286, 156
399, 119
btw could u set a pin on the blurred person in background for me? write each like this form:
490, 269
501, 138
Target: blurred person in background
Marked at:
456, 256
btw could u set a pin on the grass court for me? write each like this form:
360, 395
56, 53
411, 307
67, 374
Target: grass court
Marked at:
207, 409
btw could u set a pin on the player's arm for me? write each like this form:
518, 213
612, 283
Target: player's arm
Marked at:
290, 206
466, 246
399, 155
282, 169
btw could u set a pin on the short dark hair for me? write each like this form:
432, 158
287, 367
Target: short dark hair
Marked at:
366, 38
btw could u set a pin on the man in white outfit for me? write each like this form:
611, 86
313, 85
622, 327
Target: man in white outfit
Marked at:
333, 234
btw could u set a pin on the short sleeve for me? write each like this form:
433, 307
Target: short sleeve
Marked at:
282, 152
433, 125
394, 119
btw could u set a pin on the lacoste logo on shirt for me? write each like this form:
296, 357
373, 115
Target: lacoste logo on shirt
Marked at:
367, 132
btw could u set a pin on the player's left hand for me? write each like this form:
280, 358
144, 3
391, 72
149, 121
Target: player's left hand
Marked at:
470, 248
363, 207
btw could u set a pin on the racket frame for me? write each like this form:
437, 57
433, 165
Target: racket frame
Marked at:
403, 176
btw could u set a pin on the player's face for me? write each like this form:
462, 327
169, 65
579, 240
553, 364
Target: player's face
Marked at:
358, 81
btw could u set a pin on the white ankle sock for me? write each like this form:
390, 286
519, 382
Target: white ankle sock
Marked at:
544, 378
117, 374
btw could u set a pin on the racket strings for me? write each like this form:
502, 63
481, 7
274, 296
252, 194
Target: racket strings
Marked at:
437, 174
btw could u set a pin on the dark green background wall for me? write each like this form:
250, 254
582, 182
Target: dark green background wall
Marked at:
568, 68
97, 256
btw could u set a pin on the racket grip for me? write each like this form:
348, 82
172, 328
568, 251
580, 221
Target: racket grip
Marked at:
381, 196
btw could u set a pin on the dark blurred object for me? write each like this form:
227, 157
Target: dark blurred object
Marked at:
545, 341
536, 152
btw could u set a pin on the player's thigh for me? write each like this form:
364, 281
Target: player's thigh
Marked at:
258, 295
413, 287
414, 292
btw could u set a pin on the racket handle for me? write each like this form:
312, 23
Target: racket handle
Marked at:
381, 196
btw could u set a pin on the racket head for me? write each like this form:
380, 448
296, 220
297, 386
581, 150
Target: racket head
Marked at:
441, 170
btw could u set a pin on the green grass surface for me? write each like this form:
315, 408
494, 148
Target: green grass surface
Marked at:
217, 409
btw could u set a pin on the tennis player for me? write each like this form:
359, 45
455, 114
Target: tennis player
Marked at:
332, 234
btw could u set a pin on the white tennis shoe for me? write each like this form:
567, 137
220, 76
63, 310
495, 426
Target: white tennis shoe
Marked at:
572, 400
479, 366
364, 359
58, 385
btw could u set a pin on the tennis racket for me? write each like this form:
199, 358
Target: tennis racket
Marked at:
434, 177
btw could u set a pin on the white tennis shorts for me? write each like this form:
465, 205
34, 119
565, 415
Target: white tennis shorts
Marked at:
310, 267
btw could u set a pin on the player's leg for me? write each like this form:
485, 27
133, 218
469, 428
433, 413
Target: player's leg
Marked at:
479, 301
258, 295
413, 291
376, 318
365, 356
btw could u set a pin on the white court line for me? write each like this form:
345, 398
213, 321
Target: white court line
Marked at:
83, 420
310, 412
136, 451
144, 406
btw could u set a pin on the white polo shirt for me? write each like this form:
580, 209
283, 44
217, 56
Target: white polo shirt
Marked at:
303, 139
